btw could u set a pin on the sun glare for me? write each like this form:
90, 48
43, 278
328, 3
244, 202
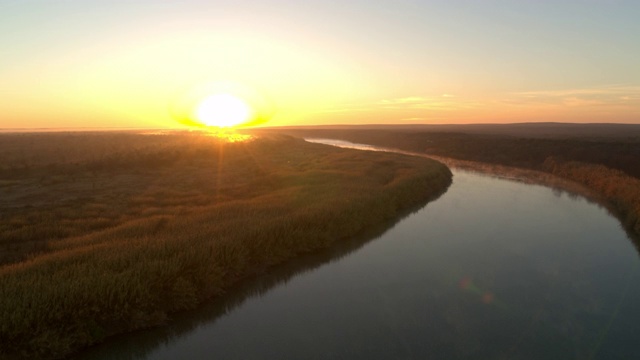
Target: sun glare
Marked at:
223, 110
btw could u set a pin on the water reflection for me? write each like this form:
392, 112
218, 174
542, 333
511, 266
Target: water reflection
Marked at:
560, 187
492, 269
139, 345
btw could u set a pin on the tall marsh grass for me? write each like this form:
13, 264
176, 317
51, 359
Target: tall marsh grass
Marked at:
248, 207
609, 167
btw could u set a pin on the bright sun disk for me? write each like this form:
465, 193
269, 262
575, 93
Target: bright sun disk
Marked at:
223, 110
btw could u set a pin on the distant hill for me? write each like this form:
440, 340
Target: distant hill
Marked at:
532, 130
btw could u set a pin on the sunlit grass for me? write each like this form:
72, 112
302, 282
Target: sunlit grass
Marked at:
607, 168
126, 237
227, 134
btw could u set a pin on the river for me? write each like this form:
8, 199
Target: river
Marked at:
493, 269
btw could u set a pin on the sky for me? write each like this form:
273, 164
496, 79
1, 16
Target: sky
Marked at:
145, 63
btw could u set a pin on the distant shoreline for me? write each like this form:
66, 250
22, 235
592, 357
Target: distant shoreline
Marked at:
536, 129
603, 167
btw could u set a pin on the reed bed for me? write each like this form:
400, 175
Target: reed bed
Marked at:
161, 247
607, 166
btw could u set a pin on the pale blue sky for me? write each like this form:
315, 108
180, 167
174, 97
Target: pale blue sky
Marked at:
483, 53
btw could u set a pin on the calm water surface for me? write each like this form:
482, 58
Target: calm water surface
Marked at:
493, 269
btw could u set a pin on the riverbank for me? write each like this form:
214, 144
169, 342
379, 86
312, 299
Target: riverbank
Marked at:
606, 167
182, 219
491, 263
612, 189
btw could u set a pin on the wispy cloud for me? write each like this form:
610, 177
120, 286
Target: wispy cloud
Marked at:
590, 103
405, 100
618, 95
346, 109
439, 103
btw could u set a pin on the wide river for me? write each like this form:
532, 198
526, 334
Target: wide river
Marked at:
493, 269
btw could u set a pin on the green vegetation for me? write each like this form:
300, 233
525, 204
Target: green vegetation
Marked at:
606, 162
126, 229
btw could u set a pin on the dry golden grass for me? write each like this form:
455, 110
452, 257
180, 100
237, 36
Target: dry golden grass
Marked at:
120, 244
620, 190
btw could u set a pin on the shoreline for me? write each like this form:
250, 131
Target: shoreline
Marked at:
552, 179
135, 275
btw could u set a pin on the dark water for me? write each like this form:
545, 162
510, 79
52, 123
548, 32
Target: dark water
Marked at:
494, 269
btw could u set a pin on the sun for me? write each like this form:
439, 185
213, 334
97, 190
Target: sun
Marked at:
223, 110
221, 105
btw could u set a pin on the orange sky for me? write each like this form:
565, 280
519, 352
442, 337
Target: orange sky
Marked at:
98, 64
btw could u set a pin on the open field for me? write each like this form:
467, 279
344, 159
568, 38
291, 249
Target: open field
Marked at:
104, 233
604, 158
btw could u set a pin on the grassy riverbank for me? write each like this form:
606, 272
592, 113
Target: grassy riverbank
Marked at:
127, 229
604, 159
